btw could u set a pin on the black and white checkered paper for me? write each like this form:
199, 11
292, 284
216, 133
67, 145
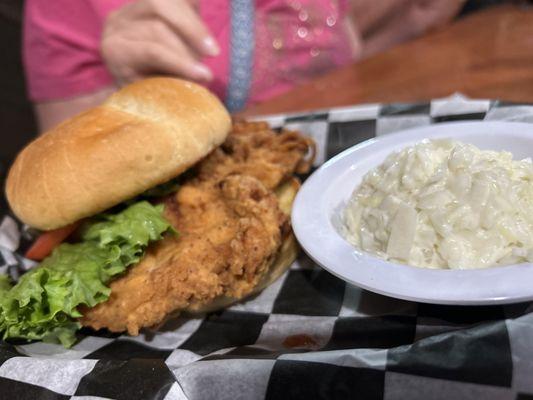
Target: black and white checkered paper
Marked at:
309, 335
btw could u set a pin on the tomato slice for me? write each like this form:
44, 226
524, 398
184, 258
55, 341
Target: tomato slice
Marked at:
48, 241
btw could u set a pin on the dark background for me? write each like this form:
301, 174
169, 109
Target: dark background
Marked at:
17, 124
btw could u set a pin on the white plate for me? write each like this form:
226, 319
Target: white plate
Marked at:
317, 206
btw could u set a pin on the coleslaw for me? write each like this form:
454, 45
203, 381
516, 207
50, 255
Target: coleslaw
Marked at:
445, 204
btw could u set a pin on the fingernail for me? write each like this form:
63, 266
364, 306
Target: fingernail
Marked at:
203, 72
211, 46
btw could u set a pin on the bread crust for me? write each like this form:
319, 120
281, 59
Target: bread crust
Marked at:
143, 135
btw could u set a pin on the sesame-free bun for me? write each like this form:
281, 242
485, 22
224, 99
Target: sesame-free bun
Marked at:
143, 135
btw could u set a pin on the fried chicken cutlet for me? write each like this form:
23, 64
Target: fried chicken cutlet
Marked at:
230, 228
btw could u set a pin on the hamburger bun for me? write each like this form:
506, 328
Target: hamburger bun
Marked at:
143, 135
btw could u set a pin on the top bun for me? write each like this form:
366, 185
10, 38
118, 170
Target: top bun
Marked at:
143, 135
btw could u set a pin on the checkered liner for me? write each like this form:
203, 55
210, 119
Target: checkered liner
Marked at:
309, 334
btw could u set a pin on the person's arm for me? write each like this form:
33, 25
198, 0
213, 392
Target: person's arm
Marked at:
51, 113
64, 71
389, 22
73, 59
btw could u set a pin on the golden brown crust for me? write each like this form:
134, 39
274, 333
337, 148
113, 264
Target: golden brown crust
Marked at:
286, 255
213, 263
143, 135
229, 233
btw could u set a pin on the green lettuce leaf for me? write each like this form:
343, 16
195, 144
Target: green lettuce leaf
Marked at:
43, 305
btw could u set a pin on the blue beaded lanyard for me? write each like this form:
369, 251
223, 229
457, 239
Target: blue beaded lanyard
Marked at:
241, 54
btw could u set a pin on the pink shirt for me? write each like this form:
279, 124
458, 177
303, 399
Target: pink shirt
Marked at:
294, 41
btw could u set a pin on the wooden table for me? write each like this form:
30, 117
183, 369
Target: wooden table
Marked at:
485, 55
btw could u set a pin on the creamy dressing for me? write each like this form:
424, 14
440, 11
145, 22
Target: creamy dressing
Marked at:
445, 204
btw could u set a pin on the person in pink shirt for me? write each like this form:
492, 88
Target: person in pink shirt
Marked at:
77, 52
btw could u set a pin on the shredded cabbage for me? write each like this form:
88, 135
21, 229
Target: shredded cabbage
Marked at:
445, 204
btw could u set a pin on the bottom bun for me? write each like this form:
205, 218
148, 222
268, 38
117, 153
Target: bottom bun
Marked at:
285, 257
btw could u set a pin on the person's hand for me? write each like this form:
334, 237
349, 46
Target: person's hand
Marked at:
157, 37
428, 14
388, 22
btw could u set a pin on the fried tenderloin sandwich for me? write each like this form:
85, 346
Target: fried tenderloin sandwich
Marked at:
150, 204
